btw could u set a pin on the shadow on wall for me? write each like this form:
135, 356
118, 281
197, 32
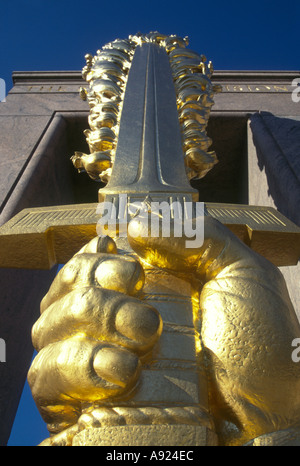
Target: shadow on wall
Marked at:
277, 142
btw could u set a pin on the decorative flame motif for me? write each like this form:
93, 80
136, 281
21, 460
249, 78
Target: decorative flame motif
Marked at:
107, 74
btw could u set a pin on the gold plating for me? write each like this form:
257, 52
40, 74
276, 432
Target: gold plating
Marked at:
107, 74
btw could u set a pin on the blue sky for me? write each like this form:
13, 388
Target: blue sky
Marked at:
56, 34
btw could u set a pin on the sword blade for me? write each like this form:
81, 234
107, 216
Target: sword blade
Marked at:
149, 159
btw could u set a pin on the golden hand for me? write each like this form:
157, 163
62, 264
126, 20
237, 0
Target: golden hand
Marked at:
247, 327
91, 334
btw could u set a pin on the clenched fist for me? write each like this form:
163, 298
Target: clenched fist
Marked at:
91, 334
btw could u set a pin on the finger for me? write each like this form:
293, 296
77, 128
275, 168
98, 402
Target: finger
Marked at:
120, 273
99, 314
76, 370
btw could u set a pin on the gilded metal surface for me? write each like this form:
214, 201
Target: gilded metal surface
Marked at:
107, 74
194, 92
180, 435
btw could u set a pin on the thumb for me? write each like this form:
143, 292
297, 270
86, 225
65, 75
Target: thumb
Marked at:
219, 248
168, 248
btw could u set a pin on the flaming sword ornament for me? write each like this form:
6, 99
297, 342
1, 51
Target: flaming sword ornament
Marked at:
148, 67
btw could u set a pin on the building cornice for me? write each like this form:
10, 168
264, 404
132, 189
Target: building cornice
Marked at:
74, 76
